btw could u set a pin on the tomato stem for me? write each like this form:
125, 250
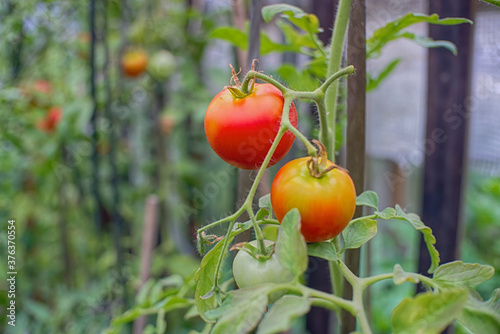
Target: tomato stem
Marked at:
336, 51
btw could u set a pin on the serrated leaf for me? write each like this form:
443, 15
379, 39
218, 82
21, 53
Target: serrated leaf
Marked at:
457, 273
241, 311
428, 313
291, 248
281, 315
426, 231
358, 232
205, 281
374, 82
391, 30
232, 35
482, 317
325, 250
368, 198
401, 276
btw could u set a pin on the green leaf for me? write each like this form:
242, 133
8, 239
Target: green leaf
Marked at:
325, 250
391, 30
368, 198
241, 310
173, 302
143, 295
191, 313
283, 312
270, 232
426, 231
493, 2
261, 214
298, 80
373, 83
232, 35
482, 317
268, 12
428, 313
267, 45
386, 214
428, 42
265, 202
458, 273
309, 23
401, 276
291, 248
358, 232
205, 281
131, 315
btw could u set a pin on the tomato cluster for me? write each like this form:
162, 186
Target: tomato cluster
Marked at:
241, 129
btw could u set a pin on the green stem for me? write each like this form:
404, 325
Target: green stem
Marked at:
367, 281
220, 221
337, 46
357, 290
258, 232
345, 304
335, 274
257, 75
311, 150
216, 288
360, 309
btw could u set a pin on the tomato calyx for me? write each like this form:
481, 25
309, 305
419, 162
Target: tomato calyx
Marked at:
318, 166
236, 85
254, 251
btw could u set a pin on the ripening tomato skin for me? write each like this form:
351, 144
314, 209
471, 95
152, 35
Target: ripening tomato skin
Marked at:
134, 62
242, 130
326, 204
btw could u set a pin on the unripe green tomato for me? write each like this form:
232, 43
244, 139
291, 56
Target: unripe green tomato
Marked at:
162, 64
249, 271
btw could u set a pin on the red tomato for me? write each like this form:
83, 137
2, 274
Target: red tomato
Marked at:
52, 118
242, 130
326, 204
134, 62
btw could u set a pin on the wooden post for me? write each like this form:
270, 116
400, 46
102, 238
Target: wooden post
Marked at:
319, 320
355, 134
149, 238
448, 103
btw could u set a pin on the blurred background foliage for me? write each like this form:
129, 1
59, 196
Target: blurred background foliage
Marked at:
77, 242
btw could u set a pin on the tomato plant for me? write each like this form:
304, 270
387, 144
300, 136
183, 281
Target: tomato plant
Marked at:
134, 62
252, 126
241, 128
326, 202
249, 270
